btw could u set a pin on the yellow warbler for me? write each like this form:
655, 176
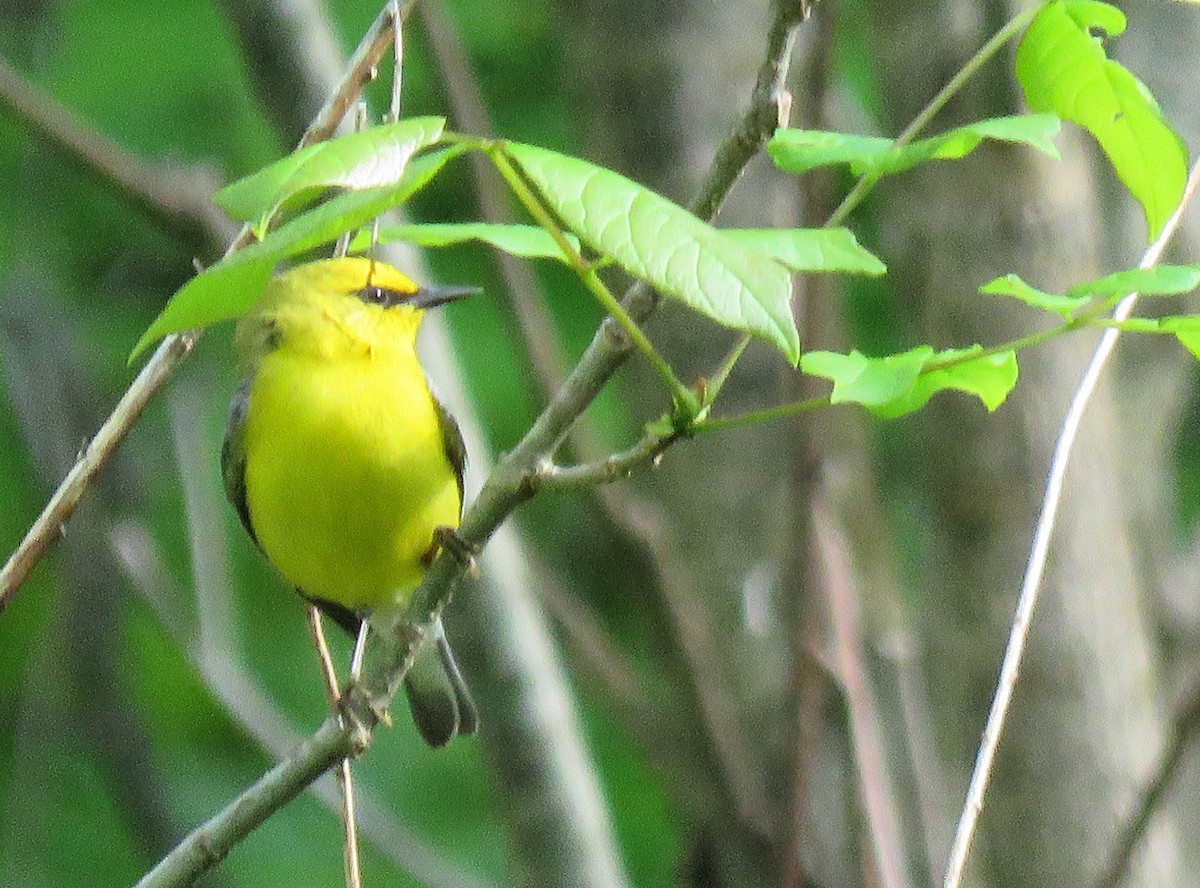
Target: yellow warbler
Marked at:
342, 465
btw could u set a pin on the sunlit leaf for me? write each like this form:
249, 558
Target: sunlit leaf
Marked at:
526, 241
668, 247
1011, 285
1186, 330
225, 291
872, 382
811, 249
798, 151
232, 286
1161, 280
1063, 68
372, 158
988, 377
898, 384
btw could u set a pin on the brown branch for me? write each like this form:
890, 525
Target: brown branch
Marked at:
176, 198
878, 801
49, 524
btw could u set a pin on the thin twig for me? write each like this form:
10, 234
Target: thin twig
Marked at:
345, 776
1031, 584
174, 348
607, 470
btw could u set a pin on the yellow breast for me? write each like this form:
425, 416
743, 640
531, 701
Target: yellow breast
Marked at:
346, 472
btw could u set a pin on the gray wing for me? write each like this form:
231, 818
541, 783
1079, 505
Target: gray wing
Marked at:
452, 441
233, 456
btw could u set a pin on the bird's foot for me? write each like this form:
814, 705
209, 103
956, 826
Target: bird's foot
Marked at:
450, 540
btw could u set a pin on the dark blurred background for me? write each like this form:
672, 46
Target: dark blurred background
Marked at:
778, 648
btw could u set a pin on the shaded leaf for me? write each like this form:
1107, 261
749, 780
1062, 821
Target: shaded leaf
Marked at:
1063, 68
811, 249
369, 159
526, 241
798, 151
663, 244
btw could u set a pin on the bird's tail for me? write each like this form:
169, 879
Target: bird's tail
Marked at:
438, 696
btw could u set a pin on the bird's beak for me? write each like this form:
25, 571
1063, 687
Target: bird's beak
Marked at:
432, 295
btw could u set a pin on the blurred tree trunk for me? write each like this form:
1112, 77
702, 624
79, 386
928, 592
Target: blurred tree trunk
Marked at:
1088, 718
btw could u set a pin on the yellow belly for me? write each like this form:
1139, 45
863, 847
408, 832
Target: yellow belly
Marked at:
346, 476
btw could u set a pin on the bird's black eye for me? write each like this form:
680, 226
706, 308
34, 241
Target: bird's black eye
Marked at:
376, 296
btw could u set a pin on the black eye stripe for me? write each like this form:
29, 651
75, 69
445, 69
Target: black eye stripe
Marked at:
373, 295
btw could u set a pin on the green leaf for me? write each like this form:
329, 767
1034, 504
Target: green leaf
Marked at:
1186, 329
224, 291
1064, 69
666, 246
898, 384
989, 377
872, 382
526, 241
230, 288
798, 151
1011, 285
1161, 280
811, 249
368, 159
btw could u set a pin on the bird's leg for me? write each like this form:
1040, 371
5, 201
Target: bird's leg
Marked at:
360, 647
345, 777
452, 541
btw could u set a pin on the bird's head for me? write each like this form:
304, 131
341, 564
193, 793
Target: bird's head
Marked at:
340, 304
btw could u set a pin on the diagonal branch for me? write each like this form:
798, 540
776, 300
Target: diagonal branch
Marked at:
512, 482
49, 525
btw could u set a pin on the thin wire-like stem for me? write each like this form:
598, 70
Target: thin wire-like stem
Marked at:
867, 180
756, 416
680, 392
345, 776
316, 631
1030, 586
